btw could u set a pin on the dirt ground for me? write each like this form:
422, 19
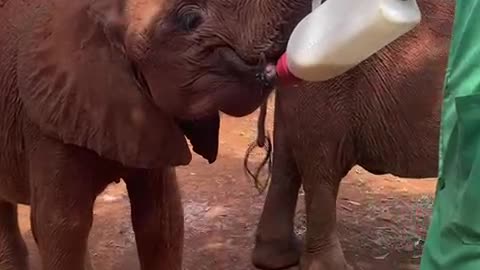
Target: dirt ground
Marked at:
382, 219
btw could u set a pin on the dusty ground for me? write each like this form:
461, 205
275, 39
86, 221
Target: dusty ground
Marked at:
382, 219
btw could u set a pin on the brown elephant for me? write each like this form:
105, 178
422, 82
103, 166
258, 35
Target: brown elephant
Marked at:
92, 91
382, 115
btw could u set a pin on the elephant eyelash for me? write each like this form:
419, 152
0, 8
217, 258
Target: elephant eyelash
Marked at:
189, 18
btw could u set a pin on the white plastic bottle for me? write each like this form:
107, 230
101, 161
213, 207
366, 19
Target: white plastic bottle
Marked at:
340, 34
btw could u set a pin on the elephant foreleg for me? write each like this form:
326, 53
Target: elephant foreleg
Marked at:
13, 251
157, 218
64, 184
276, 246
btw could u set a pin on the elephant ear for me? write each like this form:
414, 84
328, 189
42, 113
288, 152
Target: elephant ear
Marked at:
77, 85
203, 135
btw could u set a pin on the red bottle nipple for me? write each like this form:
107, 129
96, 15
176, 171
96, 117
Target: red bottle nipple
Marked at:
283, 73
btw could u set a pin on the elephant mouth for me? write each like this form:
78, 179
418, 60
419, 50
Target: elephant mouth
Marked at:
237, 85
261, 71
248, 83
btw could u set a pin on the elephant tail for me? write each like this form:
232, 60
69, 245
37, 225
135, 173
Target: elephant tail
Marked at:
263, 141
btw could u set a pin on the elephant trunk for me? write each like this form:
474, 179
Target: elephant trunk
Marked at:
263, 140
291, 13
267, 37
269, 24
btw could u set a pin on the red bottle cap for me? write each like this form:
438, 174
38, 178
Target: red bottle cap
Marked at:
283, 73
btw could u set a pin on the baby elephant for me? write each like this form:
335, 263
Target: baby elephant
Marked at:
95, 91
383, 115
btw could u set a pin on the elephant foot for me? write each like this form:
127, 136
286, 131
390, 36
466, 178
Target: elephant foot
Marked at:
277, 254
332, 259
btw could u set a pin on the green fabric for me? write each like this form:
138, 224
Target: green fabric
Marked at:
453, 239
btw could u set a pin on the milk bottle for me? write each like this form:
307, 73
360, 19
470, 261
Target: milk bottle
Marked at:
339, 34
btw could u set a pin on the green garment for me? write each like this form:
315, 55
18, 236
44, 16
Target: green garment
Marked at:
453, 240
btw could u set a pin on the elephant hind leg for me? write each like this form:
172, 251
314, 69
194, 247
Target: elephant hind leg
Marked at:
13, 251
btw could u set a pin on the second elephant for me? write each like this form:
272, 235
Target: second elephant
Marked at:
382, 115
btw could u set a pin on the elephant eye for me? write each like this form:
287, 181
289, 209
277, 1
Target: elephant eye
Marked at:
189, 18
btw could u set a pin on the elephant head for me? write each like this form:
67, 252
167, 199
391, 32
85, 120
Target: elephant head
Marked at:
129, 78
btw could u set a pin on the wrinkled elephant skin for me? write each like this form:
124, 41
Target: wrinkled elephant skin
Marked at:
95, 91
382, 115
